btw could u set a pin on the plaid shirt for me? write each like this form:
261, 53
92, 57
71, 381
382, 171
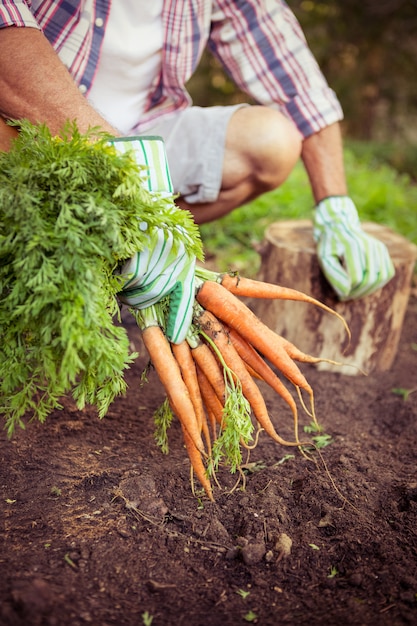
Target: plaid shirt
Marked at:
259, 43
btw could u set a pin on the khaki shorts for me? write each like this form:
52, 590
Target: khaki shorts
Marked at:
195, 143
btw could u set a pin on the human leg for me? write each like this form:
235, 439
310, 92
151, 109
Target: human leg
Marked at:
222, 157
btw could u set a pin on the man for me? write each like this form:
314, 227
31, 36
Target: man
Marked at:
123, 65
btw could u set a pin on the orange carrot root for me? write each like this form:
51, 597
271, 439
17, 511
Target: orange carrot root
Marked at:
251, 357
208, 363
215, 330
247, 287
211, 376
197, 464
229, 309
211, 401
182, 353
169, 374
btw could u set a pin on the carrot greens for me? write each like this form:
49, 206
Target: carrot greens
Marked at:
70, 212
237, 426
163, 418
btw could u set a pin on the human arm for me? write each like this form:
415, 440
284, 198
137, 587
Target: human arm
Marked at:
284, 74
35, 85
166, 266
7, 134
354, 263
322, 155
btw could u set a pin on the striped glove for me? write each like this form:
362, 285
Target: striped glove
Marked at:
354, 263
163, 267
150, 152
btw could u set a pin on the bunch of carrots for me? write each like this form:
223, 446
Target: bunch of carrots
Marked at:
76, 217
210, 378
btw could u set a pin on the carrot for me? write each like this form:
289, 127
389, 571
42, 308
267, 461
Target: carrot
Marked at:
197, 463
182, 353
297, 355
211, 401
252, 371
253, 359
216, 332
208, 363
228, 308
235, 417
169, 374
206, 432
247, 287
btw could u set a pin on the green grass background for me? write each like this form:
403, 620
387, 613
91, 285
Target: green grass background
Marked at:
381, 193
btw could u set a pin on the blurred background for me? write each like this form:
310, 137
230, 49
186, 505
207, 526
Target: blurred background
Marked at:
367, 49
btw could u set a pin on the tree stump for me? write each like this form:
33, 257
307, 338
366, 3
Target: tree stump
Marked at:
289, 258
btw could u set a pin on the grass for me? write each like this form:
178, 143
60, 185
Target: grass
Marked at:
381, 193
147, 618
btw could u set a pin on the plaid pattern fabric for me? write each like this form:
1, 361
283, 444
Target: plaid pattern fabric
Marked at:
354, 263
258, 41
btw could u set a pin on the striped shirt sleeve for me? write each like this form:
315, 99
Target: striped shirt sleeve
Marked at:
261, 44
16, 14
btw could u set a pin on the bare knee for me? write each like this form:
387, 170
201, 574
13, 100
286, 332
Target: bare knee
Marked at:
279, 148
269, 145
262, 148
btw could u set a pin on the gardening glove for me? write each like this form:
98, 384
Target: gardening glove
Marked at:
164, 267
149, 152
355, 263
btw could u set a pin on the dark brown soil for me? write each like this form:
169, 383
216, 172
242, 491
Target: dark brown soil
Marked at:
99, 527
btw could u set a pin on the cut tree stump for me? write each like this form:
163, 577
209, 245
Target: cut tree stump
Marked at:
289, 258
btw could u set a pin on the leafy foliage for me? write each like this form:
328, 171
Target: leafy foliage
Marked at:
163, 417
237, 426
70, 212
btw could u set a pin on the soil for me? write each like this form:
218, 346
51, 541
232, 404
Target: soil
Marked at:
99, 527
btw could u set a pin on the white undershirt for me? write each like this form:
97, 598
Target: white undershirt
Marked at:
129, 62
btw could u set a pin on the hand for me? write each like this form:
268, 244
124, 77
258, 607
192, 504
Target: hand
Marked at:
164, 267
354, 263
149, 152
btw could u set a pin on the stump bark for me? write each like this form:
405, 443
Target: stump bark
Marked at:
289, 258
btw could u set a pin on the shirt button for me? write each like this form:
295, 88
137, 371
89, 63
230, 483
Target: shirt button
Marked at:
83, 88
99, 22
